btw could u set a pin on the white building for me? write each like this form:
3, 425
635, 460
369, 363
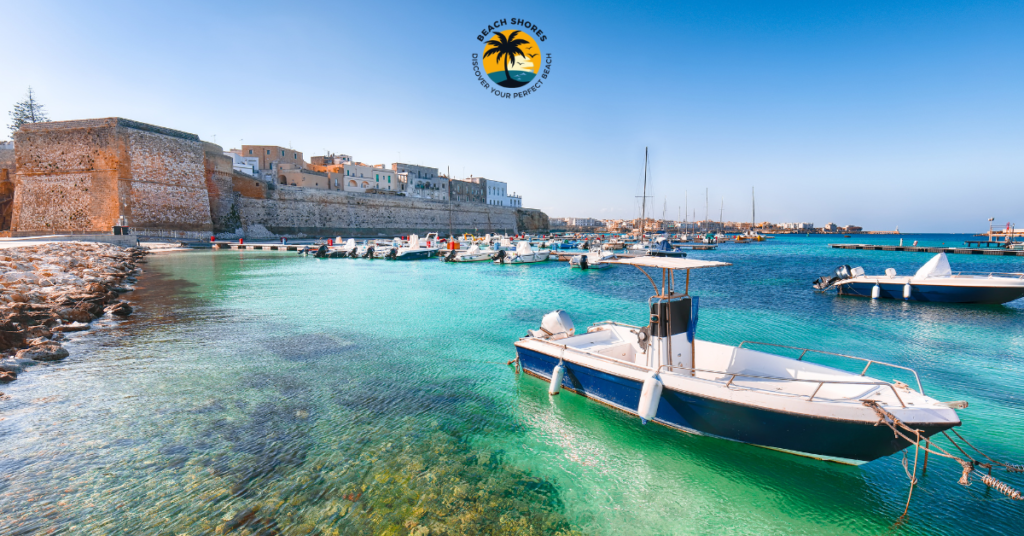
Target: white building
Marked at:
796, 225
585, 222
558, 223
360, 177
250, 165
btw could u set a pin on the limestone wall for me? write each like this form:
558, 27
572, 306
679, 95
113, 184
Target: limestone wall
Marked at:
80, 176
292, 210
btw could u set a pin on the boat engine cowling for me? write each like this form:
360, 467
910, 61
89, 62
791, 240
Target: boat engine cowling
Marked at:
843, 272
584, 263
321, 252
556, 325
500, 255
451, 256
369, 253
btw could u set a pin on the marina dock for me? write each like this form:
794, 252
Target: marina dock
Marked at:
924, 249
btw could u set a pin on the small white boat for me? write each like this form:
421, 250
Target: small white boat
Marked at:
933, 282
473, 254
662, 373
524, 254
596, 258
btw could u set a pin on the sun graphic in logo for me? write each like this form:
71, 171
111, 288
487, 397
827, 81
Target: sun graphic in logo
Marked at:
508, 58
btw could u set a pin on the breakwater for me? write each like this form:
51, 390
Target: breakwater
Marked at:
54, 289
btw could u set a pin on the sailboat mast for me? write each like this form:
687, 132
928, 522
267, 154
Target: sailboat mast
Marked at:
643, 207
451, 232
721, 216
705, 207
753, 209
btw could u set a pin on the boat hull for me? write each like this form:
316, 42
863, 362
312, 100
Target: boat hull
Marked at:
415, 255
833, 439
934, 293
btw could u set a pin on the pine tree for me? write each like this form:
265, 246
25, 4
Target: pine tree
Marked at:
27, 111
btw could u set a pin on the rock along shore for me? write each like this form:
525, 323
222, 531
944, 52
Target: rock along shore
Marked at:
52, 289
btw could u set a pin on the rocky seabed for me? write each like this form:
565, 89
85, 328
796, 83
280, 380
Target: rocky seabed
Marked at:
52, 289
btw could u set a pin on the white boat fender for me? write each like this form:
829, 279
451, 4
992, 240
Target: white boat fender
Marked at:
906, 291
650, 395
556, 379
876, 291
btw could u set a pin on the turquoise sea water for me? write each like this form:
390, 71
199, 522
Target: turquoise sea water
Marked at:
263, 392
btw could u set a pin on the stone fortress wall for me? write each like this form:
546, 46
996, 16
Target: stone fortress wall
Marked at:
81, 176
293, 210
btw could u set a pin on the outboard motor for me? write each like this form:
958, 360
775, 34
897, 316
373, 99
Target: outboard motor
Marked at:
825, 282
392, 254
584, 263
369, 253
304, 251
451, 256
556, 325
353, 253
321, 252
500, 256
843, 272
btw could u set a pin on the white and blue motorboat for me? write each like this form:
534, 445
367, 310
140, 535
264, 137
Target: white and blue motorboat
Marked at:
412, 251
662, 247
662, 373
596, 258
933, 282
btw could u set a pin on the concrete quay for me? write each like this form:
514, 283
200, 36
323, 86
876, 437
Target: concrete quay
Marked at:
924, 249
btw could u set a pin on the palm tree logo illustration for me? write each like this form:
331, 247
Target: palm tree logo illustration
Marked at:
506, 50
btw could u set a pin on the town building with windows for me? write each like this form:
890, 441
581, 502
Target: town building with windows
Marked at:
360, 177
269, 155
421, 181
466, 190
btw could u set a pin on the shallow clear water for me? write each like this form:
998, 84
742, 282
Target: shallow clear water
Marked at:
270, 393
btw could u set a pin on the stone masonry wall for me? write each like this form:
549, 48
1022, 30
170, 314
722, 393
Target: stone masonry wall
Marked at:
293, 210
80, 176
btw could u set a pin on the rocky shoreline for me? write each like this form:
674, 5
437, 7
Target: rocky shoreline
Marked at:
51, 289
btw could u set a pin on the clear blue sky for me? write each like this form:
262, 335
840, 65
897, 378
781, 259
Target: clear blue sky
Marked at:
870, 113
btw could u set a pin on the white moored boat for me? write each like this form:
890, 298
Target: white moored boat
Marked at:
662, 373
473, 254
933, 282
523, 254
596, 258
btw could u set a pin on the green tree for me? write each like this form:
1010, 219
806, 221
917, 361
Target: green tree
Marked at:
506, 50
27, 111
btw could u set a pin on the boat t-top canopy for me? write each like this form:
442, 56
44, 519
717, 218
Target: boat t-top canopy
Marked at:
668, 263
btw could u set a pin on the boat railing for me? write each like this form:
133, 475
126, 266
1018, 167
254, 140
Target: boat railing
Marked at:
732, 375
821, 383
614, 323
869, 362
1016, 275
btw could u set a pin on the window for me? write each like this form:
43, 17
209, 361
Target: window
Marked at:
352, 183
294, 155
282, 152
250, 151
268, 152
378, 177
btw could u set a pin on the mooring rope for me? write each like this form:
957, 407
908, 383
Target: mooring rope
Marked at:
1010, 467
969, 467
